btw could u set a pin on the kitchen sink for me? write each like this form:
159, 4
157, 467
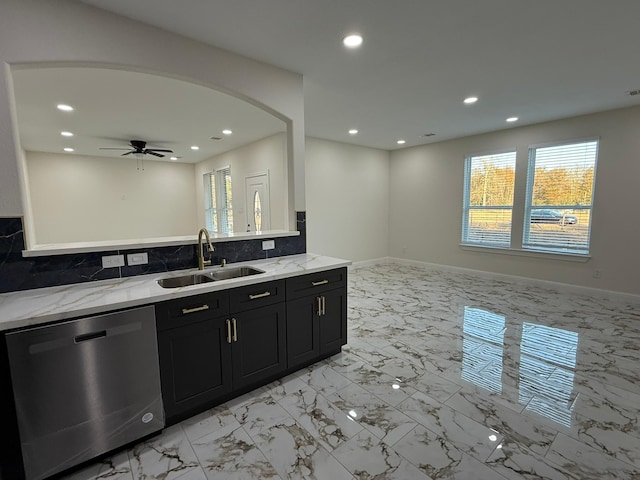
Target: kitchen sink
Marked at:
222, 273
226, 273
184, 281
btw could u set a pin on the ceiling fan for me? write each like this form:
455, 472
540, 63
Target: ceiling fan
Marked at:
139, 147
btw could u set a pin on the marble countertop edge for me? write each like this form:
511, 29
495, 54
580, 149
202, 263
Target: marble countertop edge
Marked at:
39, 306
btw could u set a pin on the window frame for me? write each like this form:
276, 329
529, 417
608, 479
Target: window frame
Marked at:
529, 207
218, 210
466, 202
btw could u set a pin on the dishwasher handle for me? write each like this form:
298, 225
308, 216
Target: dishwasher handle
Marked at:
90, 336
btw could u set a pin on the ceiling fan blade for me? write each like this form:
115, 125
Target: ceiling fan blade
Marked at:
158, 150
151, 152
128, 153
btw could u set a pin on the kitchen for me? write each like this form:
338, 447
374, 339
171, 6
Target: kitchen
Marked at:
414, 209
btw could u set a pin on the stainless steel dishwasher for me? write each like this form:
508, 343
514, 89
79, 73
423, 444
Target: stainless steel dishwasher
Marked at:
84, 387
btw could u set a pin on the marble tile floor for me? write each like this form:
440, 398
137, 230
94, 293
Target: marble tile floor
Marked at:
445, 376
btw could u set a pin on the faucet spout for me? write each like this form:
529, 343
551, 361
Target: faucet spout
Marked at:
201, 261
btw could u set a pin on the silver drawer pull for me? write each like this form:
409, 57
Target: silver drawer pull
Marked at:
259, 295
321, 282
195, 309
235, 330
228, 331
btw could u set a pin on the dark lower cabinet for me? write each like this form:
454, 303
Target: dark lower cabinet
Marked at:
195, 365
316, 316
217, 345
303, 331
333, 321
194, 352
259, 353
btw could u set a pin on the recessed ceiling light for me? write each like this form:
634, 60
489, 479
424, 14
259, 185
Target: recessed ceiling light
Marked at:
68, 149
352, 41
65, 108
470, 100
512, 119
195, 147
66, 134
353, 131
401, 142
173, 158
227, 132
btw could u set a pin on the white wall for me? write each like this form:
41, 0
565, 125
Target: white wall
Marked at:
426, 187
268, 154
64, 31
81, 198
347, 200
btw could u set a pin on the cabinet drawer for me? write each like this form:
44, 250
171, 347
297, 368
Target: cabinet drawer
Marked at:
182, 311
316, 282
258, 295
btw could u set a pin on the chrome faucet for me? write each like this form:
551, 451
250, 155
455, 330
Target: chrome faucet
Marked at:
201, 261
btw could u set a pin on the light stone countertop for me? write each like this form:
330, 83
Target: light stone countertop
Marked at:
43, 305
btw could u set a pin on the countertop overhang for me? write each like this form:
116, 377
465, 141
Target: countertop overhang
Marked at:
44, 305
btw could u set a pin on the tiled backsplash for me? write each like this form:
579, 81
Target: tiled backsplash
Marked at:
19, 273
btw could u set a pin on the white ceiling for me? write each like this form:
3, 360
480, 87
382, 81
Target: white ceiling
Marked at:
113, 107
537, 60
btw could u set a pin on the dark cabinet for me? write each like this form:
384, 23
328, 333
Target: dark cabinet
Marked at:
216, 345
316, 316
259, 342
207, 350
194, 352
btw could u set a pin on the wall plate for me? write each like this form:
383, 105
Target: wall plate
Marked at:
111, 261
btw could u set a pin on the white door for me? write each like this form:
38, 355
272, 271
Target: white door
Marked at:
257, 192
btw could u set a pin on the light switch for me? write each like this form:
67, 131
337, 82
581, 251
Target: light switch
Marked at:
111, 261
137, 258
268, 244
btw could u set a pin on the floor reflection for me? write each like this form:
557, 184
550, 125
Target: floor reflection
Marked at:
546, 366
547, 371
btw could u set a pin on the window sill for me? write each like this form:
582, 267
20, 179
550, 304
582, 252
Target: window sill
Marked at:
112, 245
569, 257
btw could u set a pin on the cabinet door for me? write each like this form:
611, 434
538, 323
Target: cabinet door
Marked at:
303, 334
259, 346
195, 366
333, 321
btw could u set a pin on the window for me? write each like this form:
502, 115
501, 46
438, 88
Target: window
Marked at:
217, 193
559, 197
488, 199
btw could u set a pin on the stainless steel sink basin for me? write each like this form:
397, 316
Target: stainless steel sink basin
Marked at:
225, 273
222, 273
184, 281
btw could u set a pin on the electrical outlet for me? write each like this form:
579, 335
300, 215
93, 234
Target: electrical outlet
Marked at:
597, 273
137, 258
111, 261
268, 244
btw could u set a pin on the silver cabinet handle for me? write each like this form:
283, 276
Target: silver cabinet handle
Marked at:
324, 305
235, 330
321, 282
259, 295
195, 309
319, 299
228, 331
